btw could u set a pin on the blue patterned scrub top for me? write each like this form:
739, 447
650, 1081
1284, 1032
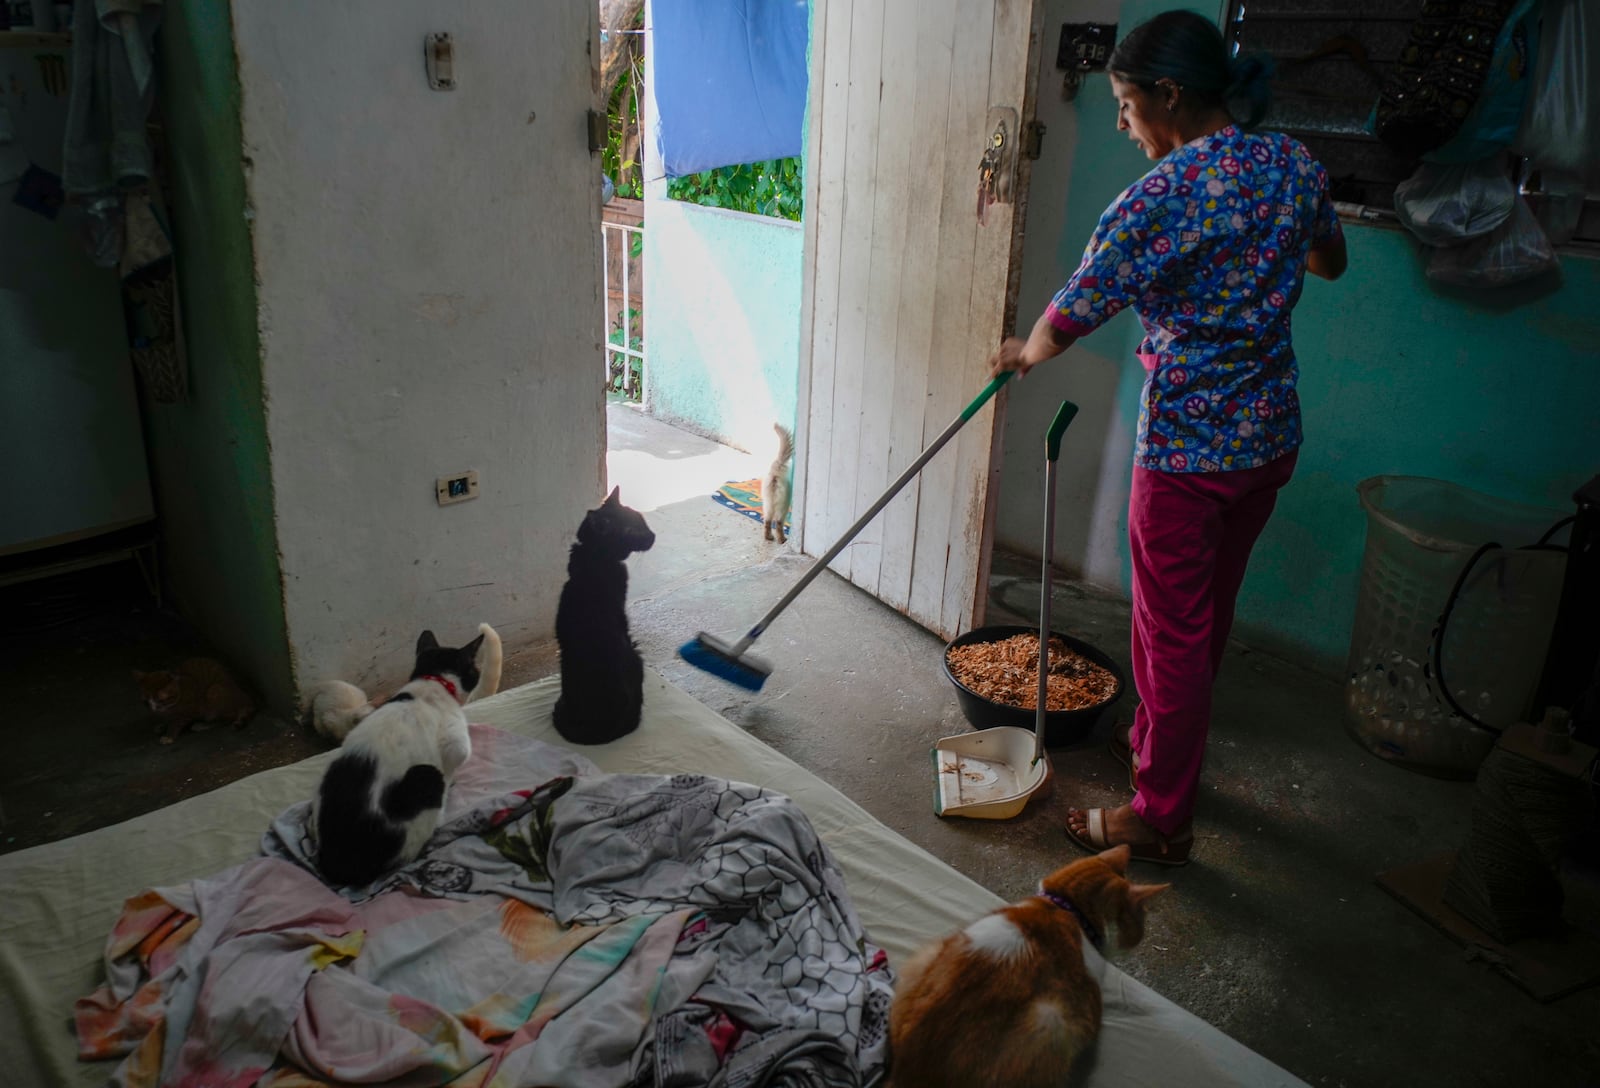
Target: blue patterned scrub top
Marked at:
1210, 249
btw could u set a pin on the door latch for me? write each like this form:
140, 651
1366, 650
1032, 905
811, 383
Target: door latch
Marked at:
1033, 139
599, 130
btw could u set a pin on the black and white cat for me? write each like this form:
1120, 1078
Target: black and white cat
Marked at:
380, 800
602, 675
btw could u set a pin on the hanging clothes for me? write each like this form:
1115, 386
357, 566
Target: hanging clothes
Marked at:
730, 81
113, 86
1441, 73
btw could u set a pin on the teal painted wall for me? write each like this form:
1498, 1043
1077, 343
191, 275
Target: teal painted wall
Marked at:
1493, 391
212, 474
722, 317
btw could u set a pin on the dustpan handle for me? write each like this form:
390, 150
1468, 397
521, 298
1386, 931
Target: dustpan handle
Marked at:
1058, 427
1052, 449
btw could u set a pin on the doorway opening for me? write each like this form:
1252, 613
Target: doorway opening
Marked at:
702, 260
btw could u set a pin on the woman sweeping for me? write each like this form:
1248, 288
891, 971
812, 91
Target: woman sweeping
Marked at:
1210, 248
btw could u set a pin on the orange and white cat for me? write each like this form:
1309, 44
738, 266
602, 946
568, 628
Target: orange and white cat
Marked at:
1008, 1000
196, 694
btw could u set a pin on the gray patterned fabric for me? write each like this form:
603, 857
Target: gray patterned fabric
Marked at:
782, 952
773, 982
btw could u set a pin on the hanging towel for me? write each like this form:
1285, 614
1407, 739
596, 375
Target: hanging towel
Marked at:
113, 85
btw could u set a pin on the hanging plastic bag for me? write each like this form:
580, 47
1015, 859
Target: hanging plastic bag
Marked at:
1561, 127
1514, 251
1560, 206
1448, 205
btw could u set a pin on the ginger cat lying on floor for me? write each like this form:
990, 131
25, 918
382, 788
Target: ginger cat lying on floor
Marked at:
195, 695
1008, 1000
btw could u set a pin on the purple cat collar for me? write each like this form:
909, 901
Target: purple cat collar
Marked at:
444, 682
1071, 908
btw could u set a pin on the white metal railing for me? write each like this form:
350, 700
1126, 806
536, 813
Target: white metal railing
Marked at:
624, 349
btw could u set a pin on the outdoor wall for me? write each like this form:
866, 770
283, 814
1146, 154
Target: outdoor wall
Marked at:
722, 337
429, 290
213, 480
1494, 391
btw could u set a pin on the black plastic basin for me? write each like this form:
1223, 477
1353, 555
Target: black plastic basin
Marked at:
1061, 727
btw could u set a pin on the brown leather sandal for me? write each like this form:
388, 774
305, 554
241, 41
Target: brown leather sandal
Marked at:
1173, 850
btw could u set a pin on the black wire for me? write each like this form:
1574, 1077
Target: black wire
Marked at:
1542, 545
1438, 640
1554, 529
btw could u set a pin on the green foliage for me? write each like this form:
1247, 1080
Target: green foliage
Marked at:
625, 373
623, 114
761, 188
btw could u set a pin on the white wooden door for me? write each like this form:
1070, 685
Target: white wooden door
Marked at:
904, 292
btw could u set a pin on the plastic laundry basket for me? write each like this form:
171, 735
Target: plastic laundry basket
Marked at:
1421, 535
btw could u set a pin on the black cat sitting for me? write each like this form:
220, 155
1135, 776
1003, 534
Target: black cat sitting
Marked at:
602, 675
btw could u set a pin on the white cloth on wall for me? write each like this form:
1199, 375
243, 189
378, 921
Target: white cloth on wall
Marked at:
113, 86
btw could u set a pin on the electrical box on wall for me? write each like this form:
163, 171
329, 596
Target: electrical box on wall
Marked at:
457, 488
1085, 47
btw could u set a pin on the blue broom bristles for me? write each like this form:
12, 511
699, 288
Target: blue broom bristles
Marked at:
710, 655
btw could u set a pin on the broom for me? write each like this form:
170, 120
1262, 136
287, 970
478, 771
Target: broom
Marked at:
729, 660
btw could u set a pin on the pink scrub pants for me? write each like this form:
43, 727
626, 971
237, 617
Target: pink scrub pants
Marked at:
1190, 534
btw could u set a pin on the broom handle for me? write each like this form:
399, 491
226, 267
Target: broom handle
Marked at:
872, 511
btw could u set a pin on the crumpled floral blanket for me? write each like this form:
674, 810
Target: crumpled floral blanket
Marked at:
563, 927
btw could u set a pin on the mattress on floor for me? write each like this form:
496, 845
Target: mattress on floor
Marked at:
61, 899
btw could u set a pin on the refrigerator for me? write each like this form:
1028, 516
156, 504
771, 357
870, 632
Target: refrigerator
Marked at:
72, 457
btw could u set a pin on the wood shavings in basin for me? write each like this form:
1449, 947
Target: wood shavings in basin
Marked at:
1007, 672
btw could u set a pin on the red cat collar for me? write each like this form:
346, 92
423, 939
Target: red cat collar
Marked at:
446, 683
1071, 908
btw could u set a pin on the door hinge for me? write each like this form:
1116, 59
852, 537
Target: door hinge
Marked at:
598, 130
1033, 139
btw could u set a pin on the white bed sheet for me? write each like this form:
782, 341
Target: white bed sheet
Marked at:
58, 901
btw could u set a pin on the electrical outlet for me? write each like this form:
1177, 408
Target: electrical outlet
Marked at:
457, 488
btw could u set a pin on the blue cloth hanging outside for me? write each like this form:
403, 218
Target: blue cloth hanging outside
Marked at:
730, 81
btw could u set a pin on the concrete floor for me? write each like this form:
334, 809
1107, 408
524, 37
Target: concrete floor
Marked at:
1276, 933
80, 745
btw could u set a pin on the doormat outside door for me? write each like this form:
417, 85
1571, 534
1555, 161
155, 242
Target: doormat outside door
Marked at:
743, 497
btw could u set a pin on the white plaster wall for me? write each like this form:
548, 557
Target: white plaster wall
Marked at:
429, 275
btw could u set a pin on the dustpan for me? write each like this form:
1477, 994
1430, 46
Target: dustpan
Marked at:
991, 774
